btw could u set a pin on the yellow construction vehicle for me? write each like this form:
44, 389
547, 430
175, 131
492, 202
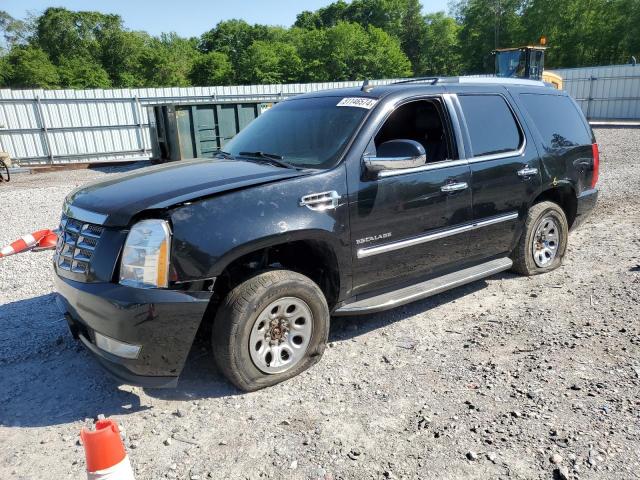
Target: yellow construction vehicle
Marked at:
525, 62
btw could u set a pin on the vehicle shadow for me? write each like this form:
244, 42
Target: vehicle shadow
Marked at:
46, 377
200, 378
49, 379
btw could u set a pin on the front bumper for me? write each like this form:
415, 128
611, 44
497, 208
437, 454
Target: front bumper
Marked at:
163, 322
585, 204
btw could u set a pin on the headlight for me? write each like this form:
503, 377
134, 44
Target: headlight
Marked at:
145, 258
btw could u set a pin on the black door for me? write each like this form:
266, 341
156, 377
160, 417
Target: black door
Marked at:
403, 222
504, 170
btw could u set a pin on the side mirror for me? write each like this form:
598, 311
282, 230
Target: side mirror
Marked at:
395, 155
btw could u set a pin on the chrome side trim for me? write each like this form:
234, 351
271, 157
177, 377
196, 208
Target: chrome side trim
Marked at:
498, 156
83, 215
424, 168
409, 242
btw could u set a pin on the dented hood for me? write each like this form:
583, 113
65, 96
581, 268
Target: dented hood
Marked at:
123, 196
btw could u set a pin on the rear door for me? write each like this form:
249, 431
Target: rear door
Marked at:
505, 171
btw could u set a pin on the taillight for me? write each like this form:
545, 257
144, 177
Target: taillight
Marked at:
596, 164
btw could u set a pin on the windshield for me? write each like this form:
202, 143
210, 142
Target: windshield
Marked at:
510, 63
305, 133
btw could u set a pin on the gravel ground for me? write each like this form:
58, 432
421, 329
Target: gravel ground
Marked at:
509, 377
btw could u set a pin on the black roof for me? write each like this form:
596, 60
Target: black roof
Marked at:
429, 86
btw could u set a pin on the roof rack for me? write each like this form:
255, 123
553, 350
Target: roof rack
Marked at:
433, 80
473, 80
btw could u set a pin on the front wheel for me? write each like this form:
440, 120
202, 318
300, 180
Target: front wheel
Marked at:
270, 328
543, 243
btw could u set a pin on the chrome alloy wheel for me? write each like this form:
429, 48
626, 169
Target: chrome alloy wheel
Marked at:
546, 242
280, 335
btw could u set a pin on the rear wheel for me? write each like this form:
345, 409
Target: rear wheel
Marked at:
544, 241
4, 172
270, 328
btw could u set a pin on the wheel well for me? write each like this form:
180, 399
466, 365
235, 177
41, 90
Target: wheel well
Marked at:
314, 259
563, 196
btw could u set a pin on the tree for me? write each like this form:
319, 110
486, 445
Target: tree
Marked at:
122, 55
63, 33
82, 72
169, 60
30, 67
270, 62
412, 36
213, 68
349, 51
597, 32
486, 25
440, 52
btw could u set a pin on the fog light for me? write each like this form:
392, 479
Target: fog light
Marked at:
115, 347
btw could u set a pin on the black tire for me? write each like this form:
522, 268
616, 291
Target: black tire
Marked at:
4, 172
239, 311
524, 262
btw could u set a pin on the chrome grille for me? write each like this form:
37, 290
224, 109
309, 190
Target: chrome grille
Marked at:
76, 244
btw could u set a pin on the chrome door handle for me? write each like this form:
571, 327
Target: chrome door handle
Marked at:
527, 172
454, 187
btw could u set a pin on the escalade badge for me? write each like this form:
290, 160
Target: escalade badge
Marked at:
360, 241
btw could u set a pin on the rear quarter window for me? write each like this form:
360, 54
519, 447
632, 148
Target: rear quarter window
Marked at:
557, 119
491, 125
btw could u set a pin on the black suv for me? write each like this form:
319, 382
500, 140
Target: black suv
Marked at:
340, 202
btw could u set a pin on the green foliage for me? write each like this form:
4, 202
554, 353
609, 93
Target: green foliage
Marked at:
123, 59
81, 72
30, 67
168, 61
486, 25
441, 49
63, 33
213, 68
342, 41
269, 62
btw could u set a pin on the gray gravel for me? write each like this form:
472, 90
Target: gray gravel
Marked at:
509, 377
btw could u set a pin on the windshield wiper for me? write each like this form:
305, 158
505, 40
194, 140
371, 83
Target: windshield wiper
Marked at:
269, 157
223, 154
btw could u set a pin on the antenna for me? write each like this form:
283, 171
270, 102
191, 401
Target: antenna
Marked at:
366, 86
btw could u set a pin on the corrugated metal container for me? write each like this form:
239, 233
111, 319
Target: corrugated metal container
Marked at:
197, 130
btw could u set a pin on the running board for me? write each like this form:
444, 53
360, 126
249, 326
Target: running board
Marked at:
426, 289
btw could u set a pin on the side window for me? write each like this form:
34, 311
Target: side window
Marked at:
557, 119
422, 121
491, 125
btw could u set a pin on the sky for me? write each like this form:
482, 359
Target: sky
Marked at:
188, 17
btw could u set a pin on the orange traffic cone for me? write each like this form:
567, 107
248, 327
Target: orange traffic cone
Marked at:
106, 456
29, 241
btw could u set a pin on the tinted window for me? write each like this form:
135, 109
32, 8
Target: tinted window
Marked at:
557, 119
306, 132
491, 125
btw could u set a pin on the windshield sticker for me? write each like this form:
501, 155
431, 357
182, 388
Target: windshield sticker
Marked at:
359, 102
